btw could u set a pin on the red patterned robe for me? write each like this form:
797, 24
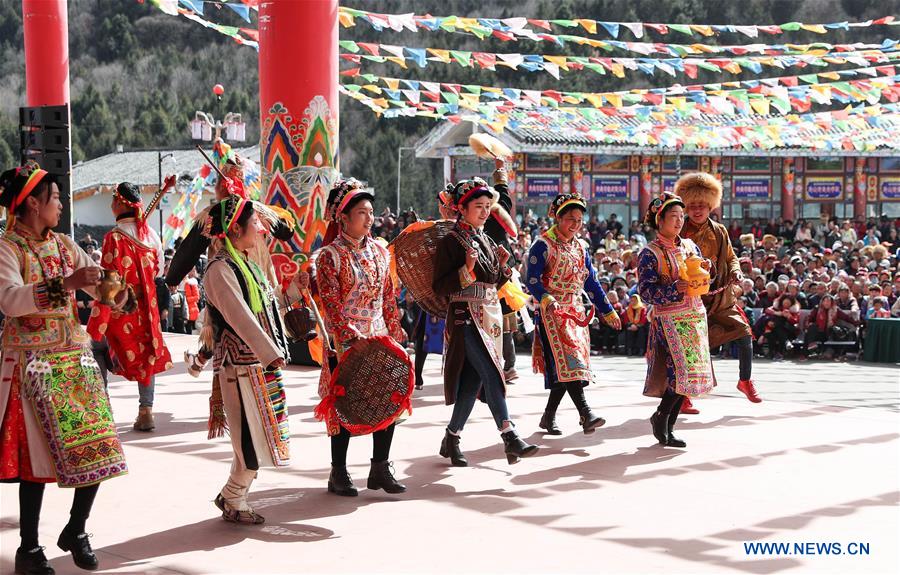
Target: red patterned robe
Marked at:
358, 297
135, 339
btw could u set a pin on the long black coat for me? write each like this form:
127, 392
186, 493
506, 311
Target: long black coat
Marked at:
450, 258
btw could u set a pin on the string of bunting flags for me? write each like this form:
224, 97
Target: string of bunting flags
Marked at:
193, 10
781, 95
359, 52
472, 27
862, 129
518, 26
250, 37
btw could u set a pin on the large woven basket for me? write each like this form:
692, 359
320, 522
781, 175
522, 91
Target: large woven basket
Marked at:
414, 251
372, 385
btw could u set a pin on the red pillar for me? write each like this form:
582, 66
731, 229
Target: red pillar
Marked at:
298, 100
46, 29
46, 52
787, 190
859, 188
645, 193
715, 170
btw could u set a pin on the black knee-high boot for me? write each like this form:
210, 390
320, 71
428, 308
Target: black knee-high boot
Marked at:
73, 538
339, 482
671, 440
420, 366
548, 420
660, 419
588, 420
30, 556
420, 354
31, 497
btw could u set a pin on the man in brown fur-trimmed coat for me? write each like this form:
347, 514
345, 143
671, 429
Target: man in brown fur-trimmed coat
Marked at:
702, 193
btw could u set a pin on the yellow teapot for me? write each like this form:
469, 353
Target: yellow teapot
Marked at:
110, 286
698, 278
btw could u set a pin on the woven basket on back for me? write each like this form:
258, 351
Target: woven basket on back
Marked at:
414, 251
372, 385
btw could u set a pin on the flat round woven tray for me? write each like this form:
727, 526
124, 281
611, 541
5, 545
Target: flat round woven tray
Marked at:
414, 251
372, 385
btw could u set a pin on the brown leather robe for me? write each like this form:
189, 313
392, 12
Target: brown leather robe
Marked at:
726, 322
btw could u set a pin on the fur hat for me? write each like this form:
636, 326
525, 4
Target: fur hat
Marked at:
747, 240
699, 186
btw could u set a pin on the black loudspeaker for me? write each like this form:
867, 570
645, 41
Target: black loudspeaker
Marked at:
44, 137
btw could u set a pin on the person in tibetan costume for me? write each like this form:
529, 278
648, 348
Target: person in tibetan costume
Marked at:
469, 268
46, 356
134, 251
429, 330
702, 193
500, 227
560, 268
249, 350
279, 222
353, 278
678, 362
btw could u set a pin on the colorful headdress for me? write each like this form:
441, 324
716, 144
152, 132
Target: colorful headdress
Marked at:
445, 197
340, 196
130, 195
223, 219
233, 170
563, 201
467, 189
17, 184
659, 205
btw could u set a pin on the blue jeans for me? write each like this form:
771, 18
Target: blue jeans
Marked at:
145, 393
478, 371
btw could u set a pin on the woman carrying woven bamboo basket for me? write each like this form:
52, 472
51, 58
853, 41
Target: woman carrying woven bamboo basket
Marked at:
469, 268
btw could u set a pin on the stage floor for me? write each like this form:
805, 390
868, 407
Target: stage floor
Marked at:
816, 462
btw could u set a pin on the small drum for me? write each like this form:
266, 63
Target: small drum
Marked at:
300, 323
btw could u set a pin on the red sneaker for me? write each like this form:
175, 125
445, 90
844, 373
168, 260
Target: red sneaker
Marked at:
687, 407
746, 387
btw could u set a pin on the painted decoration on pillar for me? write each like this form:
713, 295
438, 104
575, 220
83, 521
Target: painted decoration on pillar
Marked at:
579, 167
787, 178
299, 160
